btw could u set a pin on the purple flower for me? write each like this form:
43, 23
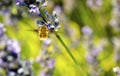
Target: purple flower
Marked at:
49, 25
47, 42
95, 51
25, 2
11, 74
1, 61
13, 46
90, 58
58, 9
89, 2
34, 9
86, 30
20, 2
50, 63
95, 3
43, 73
5, 11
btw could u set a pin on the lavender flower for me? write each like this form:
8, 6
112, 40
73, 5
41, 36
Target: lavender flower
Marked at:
91, 56
2, 30
43, 73
10, 18
13, 46
94, 3
20, 2
25, 2
86, 30
10, 59
114, 22
51, 21
50, 63
46, 62
34, 9
58, 9
47, 42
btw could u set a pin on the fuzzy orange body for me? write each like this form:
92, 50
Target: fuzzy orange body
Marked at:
43, 32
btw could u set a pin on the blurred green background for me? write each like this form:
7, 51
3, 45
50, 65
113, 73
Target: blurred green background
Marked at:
74, 15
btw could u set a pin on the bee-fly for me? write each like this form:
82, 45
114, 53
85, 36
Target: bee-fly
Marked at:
43, 32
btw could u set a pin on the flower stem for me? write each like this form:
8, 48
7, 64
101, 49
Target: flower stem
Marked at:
43, 15
68, 51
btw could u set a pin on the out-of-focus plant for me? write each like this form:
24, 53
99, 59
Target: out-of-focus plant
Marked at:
10, 61
44, 59
89, 32
114, 22
10, 13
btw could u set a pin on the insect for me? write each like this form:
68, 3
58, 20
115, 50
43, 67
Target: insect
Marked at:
43, 32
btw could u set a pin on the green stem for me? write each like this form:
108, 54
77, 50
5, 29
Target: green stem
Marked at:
68, 51
43, 15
